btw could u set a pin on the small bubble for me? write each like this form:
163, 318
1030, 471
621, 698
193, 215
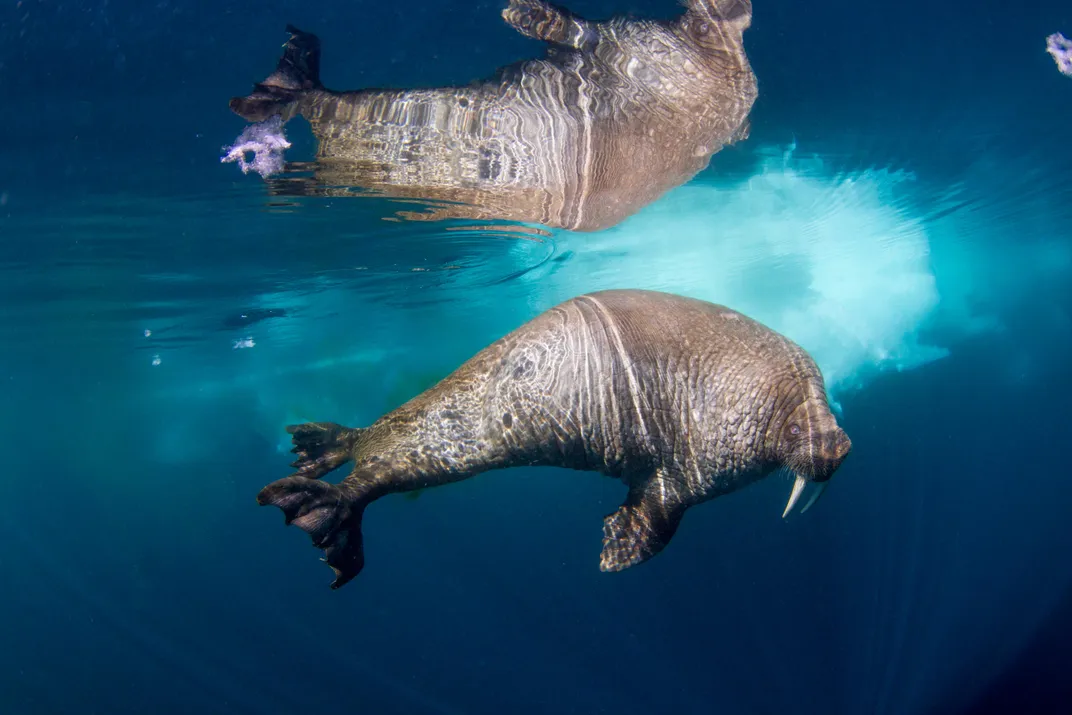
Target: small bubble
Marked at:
156, 360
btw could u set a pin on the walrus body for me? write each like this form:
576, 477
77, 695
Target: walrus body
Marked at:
613, 116
682, 400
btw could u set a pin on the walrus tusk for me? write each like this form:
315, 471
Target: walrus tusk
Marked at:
815, 497
794, 497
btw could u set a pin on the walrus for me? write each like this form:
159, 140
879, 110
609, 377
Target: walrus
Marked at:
614, 115
681, 399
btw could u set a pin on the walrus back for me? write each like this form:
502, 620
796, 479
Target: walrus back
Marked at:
634, 366
681, 323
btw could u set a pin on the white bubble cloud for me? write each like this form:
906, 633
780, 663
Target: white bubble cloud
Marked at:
833, 262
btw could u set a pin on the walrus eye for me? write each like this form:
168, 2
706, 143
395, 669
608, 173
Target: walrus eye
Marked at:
794, 429
699, 28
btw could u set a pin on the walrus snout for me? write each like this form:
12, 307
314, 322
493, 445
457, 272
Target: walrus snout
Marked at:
842, 444
827, 450
831, 451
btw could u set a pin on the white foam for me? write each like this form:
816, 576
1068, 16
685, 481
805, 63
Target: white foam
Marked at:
266, 141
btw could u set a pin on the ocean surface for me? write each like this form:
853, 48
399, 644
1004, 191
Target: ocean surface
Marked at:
902, 209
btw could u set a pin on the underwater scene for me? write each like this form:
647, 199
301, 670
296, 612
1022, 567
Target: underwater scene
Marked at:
634, 357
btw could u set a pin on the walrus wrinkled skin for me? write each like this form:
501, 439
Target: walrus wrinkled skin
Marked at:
683, 400
615, 114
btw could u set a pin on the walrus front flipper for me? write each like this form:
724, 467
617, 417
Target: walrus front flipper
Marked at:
321, 447
331, 516
741, 133
642, 526
544, 21
297, 72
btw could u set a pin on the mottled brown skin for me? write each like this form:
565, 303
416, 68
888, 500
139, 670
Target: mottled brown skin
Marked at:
613, 116
681, 399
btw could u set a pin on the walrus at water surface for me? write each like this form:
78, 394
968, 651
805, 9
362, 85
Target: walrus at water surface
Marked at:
613, 116
683, 400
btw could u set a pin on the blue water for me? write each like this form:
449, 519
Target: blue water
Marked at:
903, 209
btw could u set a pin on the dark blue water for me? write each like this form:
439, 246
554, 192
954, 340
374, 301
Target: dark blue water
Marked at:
903, 209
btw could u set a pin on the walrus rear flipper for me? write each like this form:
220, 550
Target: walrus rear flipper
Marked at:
330, 514
642, 526
297, 72
321, 447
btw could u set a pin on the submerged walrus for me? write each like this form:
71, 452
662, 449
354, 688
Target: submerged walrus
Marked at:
616, 114
683, 400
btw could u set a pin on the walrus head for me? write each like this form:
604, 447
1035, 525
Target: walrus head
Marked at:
812, 446
716, 25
